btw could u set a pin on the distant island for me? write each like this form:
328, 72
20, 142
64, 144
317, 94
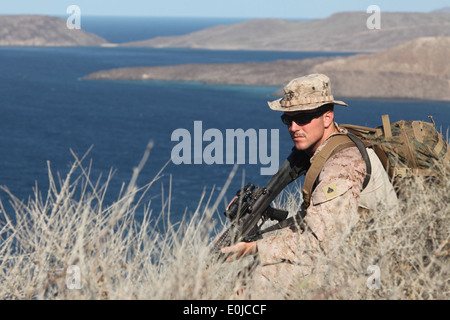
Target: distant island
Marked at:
345, 31
418, 69
37, 30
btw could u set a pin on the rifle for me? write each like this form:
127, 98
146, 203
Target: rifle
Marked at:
251, 208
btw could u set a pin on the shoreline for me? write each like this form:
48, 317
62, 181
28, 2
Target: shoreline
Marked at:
416, 70
274, 93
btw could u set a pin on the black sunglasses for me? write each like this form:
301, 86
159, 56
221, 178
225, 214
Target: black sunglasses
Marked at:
301, 118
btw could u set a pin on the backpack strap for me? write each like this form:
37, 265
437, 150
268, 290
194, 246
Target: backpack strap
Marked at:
335, 144
362, 149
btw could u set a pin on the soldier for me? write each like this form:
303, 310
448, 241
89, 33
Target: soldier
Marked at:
308, 113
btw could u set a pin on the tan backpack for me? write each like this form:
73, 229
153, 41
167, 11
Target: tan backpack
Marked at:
406, 148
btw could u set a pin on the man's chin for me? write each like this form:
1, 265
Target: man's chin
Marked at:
300, 146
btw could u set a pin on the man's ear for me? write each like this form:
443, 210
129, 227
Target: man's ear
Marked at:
328, 118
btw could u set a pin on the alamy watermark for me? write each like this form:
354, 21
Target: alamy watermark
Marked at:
374, 20
374, 280
74, 20
228, 148
73, 277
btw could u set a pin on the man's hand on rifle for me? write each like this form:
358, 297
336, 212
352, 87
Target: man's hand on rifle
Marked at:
241, 249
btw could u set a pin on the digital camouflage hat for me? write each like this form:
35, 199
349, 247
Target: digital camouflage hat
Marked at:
305, 93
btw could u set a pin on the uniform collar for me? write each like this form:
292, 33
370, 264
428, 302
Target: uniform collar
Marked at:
340, 131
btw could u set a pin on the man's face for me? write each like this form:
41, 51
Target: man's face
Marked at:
308, 129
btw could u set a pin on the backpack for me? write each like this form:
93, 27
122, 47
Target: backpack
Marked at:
406, 148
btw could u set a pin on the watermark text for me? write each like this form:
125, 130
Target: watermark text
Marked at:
228, 148
373, 281
73, 277
374, 20
74, 20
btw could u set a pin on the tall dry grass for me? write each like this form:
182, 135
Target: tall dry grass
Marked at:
120, 258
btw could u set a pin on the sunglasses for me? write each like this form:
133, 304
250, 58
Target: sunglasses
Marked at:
301, 118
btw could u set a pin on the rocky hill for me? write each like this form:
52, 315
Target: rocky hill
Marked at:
261, 74
346, 31
417, 69
37, 30
443, 10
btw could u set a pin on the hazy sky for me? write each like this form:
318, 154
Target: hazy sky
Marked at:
215, 8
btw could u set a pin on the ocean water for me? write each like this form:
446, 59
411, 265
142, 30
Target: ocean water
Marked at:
47, 110
127, 29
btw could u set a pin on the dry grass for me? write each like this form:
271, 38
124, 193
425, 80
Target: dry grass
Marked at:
411, 248
119, 258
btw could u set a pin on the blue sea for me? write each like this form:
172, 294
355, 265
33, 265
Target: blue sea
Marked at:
47, 110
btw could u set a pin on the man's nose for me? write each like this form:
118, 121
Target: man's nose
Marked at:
293, 126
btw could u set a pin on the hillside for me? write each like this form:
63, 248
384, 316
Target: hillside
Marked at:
37, 30
443, 10
264, 74
417, 69
345, 31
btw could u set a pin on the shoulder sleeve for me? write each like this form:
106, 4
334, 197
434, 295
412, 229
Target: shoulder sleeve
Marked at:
334, 201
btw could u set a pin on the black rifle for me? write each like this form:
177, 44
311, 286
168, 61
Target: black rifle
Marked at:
251, 207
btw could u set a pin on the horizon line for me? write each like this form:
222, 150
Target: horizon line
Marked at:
209, 17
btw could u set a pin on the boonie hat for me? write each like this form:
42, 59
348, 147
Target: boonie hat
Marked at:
305, 93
